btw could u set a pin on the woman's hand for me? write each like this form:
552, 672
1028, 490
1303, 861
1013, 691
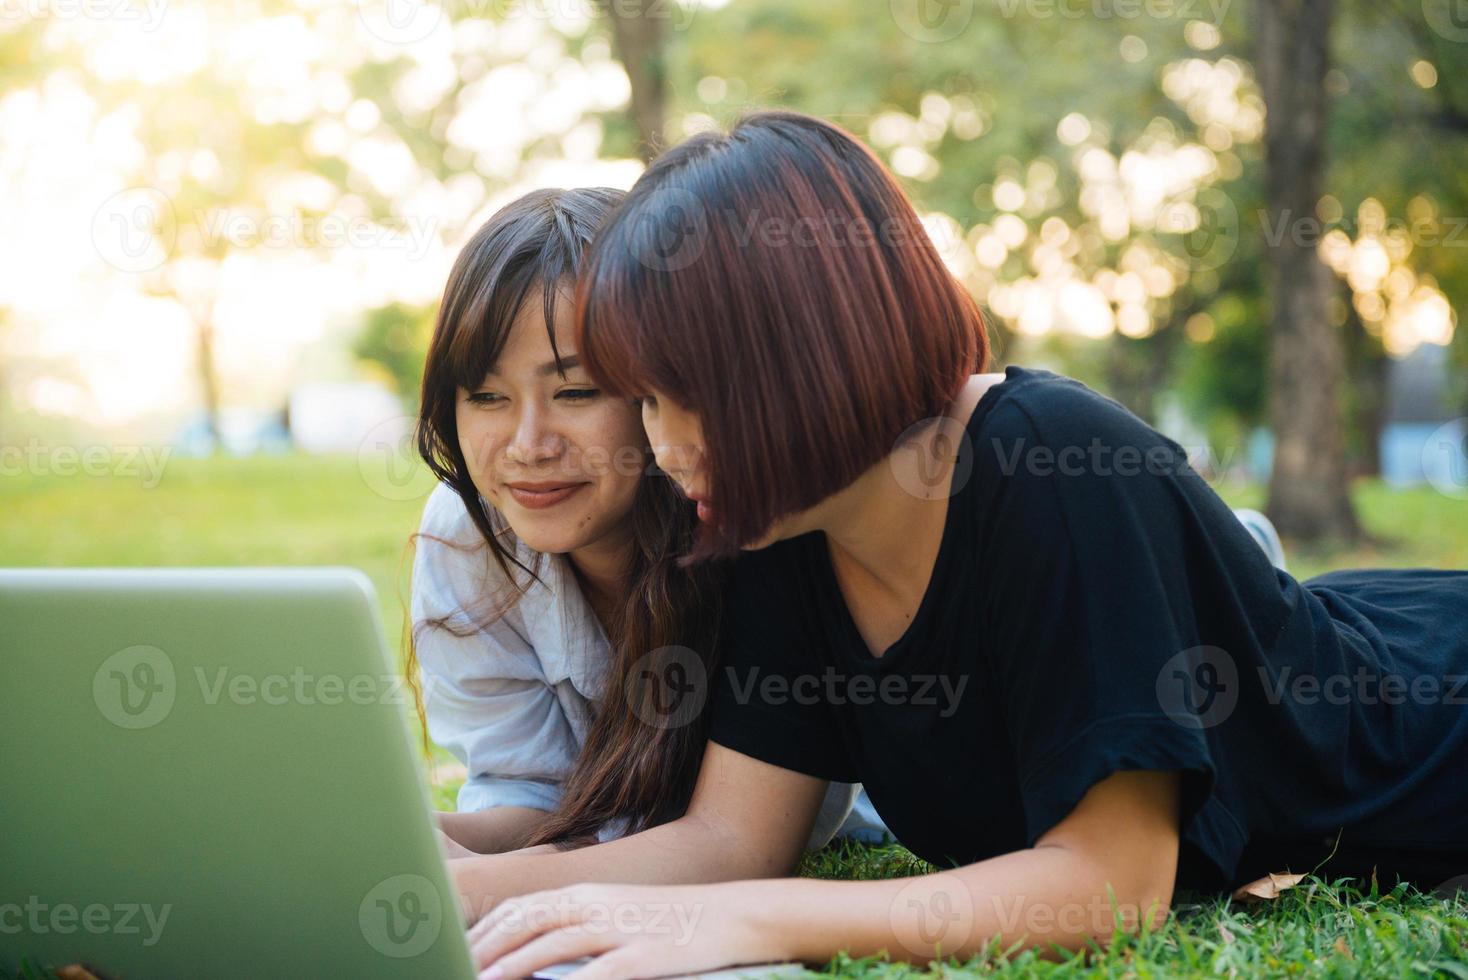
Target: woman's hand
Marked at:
630, 930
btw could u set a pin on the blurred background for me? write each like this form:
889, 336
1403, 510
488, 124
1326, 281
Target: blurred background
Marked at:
226, 226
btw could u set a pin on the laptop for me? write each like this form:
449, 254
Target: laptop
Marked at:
212, 772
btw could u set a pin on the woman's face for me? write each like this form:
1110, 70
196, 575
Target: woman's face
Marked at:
676, 436
557, 458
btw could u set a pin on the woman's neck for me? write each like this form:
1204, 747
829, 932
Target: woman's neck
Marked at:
884, 536
887, 526
602, 569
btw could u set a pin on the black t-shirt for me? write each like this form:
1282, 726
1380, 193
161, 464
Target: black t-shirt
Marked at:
1096, 607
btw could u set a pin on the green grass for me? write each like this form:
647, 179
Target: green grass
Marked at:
258, 511
1416, 527
299, 510
1342, 928
266, 510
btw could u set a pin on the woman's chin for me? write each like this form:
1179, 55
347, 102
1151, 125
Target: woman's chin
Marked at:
777, 532
549, 537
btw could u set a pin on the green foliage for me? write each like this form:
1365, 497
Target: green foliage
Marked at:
394, 338
1023, 67
1225, 379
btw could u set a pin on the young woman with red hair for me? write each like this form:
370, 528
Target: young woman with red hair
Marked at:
1121, 710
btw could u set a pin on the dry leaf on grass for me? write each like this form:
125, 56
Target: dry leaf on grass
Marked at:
1267, 888
75, 971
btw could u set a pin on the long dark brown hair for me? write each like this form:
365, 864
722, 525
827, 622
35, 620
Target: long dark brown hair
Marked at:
633, 769
776, 281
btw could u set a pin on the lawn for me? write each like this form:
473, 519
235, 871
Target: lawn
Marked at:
298, 510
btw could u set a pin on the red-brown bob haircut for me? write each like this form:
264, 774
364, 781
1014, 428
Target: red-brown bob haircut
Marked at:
776, 281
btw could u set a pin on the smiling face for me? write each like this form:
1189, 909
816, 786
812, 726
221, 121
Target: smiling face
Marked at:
557, 458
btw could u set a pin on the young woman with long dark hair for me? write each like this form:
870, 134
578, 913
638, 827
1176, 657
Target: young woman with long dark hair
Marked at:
546, 579
1139, 700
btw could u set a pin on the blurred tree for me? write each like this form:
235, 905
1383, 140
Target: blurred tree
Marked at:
1309, 495
5, 381
1021, 111
1076, 206
1222, 377
395, 338
213, 168
215, 182
1407, 135
639, 35
457, 137
1365, 393
1096, 179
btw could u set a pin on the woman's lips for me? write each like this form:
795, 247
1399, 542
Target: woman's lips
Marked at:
538, 498
705, 510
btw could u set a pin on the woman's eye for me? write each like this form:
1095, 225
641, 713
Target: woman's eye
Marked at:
485, 398
579, 394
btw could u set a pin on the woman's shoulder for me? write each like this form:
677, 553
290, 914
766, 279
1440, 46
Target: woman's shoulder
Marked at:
542, 625
453, 564
447, 518
1035, 408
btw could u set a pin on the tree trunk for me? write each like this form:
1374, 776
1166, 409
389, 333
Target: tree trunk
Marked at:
1309, 493
209, 383
638, 32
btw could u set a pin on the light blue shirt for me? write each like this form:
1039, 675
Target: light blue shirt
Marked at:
511, 698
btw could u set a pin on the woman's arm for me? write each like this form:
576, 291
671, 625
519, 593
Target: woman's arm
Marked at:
1114, 855
493, 831
747, 819
1121, 841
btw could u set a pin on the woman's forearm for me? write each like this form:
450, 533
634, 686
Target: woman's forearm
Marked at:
684, 851
493, 831
1040, 896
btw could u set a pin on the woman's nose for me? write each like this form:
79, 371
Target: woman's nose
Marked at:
534, 441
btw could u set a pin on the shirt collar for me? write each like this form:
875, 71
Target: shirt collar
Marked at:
588, 651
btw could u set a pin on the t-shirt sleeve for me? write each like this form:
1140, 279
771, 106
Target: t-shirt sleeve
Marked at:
1090, 603
766, 695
